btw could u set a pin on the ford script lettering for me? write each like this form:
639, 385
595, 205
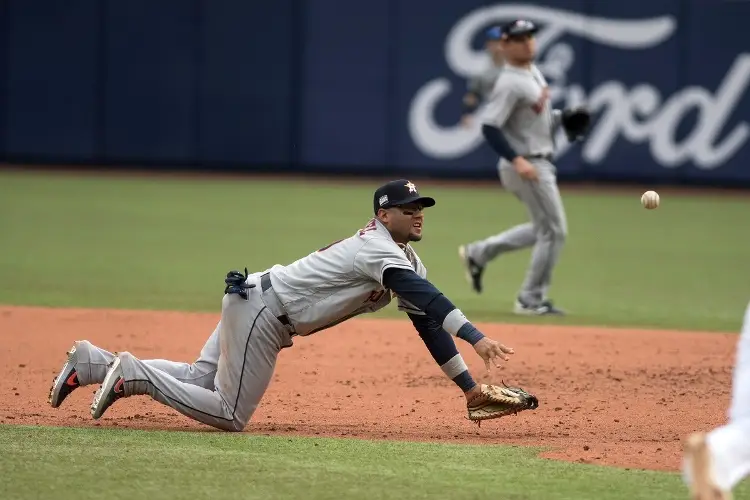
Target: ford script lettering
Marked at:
640, 115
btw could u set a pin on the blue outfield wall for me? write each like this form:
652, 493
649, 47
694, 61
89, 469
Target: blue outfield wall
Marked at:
368, 87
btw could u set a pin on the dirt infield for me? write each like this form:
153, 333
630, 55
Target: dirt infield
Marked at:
615, 397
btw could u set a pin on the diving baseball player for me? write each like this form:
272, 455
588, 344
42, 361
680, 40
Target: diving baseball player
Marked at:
262, 313
519, 124
714, 463
479, 87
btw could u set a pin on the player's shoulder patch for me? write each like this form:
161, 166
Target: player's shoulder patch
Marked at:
370, 228
373, 230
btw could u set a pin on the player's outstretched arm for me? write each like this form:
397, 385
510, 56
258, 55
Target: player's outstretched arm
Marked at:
424, 296
443, 351
483, 401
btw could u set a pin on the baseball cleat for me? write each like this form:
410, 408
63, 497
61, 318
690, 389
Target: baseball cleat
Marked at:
65, 382
545, 308
698, 460
112, 389
473, 270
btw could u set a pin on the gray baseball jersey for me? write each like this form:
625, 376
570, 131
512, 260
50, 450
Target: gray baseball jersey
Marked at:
483, 83
225, 384
342, 280
520, 108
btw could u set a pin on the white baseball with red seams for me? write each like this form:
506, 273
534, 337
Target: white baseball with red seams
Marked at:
650, 199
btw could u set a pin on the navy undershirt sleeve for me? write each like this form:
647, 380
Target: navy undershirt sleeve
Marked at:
438, 341
442, 348
498, 142
425, 297
420, 292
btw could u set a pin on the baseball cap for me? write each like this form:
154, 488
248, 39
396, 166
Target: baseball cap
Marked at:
494, 33
518, 27
399, 192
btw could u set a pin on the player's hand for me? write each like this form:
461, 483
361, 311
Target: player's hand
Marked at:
525, 169
467, 121
492, 351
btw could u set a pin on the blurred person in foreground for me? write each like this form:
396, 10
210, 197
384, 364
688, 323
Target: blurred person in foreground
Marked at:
715, 462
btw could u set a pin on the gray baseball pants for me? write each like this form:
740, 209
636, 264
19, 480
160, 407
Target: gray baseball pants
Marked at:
546, 231
224, 386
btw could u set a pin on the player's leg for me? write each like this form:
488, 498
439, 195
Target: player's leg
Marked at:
515, 238
714, 463
477, 254
87, 364
550, 192
201, 372
544, 204
250, 339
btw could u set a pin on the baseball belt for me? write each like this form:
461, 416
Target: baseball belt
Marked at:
541, 156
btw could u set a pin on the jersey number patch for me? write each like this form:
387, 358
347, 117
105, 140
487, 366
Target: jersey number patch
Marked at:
369, 227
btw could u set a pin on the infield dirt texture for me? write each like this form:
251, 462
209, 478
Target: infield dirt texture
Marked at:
137, 263
617, 397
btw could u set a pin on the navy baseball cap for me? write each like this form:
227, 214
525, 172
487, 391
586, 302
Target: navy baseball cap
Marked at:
399, 192
518, 27
494, 33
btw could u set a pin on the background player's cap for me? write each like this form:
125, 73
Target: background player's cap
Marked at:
494, 33
518, 27
399, 192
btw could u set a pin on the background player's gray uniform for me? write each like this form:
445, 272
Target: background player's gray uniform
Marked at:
519, 108
483, 83
224, 386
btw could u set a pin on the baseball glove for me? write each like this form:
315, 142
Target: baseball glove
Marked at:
575, 122
494, 402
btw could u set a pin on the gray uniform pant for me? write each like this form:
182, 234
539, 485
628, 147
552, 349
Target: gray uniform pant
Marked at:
223, 387
546, 231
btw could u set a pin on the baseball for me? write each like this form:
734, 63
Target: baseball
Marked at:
650, 199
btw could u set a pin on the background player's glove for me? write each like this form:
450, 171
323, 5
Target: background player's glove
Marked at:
575, 122
236, 283
495, 401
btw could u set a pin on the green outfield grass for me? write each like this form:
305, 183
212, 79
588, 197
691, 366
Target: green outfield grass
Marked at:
78, 464
166, 244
